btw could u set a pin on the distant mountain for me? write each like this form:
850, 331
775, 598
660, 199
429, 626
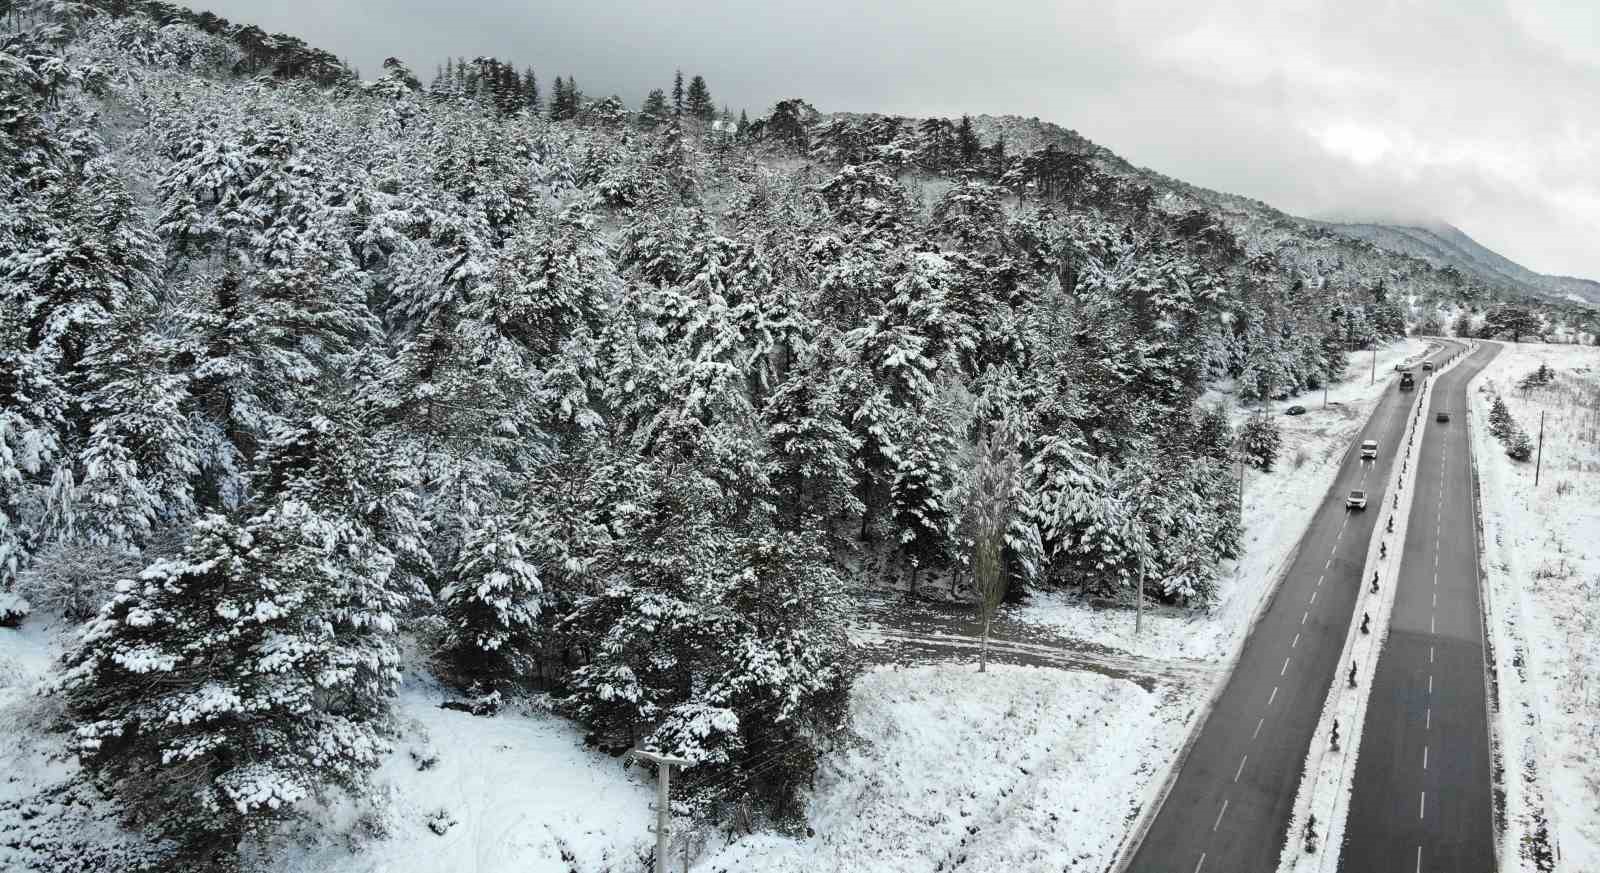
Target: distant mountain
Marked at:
1438, 245
1445, 245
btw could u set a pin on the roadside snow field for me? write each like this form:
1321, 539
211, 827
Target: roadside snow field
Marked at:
1277, 508
1542, 558
1017, 769
513, 793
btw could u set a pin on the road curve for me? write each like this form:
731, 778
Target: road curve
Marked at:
1421, 800
1229, 809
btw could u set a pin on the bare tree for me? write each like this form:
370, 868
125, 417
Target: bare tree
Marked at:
988, 515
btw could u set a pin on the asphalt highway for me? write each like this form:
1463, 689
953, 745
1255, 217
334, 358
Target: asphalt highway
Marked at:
1421, 800
1229, 809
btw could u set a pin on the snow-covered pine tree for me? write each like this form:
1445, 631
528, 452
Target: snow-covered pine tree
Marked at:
1519, 446
697, 100
1259, 440
492, 603
272, 640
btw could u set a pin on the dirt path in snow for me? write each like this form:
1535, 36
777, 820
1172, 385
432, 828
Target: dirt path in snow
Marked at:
895, 629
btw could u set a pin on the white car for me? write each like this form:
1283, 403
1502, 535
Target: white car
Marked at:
1356, 500
1369, 449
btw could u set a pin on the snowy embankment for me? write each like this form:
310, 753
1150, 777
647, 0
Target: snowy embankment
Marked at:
1019, 768
1277, 508
1542, 561
511, 793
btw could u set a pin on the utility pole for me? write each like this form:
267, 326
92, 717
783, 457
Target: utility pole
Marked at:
664, 765
1539, 458
1374, 365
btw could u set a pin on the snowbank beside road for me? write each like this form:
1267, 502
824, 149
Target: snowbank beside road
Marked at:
1278, 507
1542, 560
1020, 768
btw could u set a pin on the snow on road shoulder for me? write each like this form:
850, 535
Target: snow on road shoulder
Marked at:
1278, 507
1542, 561
1020, 768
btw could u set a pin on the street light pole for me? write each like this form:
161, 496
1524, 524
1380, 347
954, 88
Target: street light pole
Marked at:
664, 765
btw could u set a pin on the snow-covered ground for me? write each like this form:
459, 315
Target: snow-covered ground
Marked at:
1542, 558
1277, 508
513, 793
1017, 769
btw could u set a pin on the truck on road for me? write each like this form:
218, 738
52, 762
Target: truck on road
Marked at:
1407, 381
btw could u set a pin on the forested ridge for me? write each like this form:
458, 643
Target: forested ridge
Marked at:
301, 374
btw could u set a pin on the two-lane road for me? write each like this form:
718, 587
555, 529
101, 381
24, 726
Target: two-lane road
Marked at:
1422, 786
1229, 809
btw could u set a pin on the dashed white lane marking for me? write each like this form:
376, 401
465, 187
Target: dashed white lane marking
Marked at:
1198, 864
1427, 719
1419, 860
1285, 667
1435, 598
1303, 616
1422, 807
1218, 822
1239, 771
1319, 580
1430, 654
1430, 624
1274, 695
1296, 641
1424, 761
1258, 728
1430, 683
1313, 597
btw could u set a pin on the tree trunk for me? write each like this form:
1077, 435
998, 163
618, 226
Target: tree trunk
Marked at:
983, 650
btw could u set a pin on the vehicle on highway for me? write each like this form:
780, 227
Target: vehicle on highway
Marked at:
1295, 410
1356, 500
1443, 416
1427, 365
1407, 381
1369, 449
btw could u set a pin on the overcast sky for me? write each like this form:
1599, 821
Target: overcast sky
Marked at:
1481, 113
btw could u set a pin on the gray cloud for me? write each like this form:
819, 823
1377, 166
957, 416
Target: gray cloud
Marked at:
1481, 113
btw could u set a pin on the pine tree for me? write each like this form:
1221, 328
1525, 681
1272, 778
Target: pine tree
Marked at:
698, 101
558, 96
530, 93
1519, 446
1501, 423
654, 111
272, 642
493, 603
677, 93
967, 144
1259, 439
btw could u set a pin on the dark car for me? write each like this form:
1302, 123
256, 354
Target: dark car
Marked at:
1427, 365
1443, 416
1295, 410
